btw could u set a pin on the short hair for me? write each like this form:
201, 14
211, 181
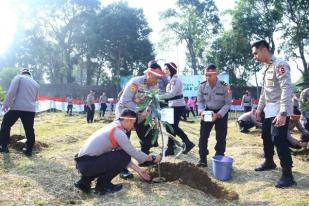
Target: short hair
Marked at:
154, 64
211, 67
128, 113
261, 44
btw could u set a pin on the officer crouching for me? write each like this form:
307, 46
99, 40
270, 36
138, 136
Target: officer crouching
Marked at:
108, 152
214, 100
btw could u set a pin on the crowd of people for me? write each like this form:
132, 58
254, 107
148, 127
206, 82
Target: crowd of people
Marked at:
108, 151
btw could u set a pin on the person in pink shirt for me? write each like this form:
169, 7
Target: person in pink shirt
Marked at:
191, 105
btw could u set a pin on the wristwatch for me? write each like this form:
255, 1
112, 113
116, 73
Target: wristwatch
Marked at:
284, 114
153, 158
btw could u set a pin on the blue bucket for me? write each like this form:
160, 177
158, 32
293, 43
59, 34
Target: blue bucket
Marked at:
222, 167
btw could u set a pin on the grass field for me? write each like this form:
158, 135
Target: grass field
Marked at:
47, 178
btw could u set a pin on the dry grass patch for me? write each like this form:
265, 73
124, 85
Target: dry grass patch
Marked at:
47, 177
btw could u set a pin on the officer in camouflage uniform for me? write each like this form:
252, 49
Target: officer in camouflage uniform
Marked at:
304, 109
276, 102
215, 96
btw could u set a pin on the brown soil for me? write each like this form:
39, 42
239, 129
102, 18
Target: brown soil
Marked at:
15, 144
302, 155
188, 174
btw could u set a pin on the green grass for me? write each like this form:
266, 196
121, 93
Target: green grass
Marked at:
47, 178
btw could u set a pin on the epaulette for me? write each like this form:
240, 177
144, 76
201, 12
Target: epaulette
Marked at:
204, 82
223, 83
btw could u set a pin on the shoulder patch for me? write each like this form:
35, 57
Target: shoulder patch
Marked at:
133, 87
173, 82
280, 69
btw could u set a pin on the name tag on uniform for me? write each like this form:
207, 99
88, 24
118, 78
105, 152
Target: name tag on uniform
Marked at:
270, 83
271, 109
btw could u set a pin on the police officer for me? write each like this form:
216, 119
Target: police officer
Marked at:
248, 120
131, 96
90, 101
70, 105
215, 97
102, 101
107, 152
20, 102
275, 101
176, 101
246, 101
304, 109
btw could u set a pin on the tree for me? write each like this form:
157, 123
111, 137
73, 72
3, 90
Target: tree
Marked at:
257, 19
6, 76
193, 21
124, 39
295, 29
231, 52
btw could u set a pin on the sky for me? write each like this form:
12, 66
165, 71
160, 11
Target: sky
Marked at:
152, 9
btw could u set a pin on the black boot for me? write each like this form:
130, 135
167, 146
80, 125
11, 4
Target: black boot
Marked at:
266, 165
27, 151
189, 147
202, 162
169, 151
103, 186
126, 174
4, 149
286, 179
84, 184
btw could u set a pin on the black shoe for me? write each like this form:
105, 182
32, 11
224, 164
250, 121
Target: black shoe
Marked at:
126, 174
244, 131
285, 181
108, 188
146, 164
27, 151
189, 147
266, 166
169, 152
202, 163
4, 149
85, 187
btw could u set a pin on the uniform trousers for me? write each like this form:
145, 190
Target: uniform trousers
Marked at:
9, 119
221, 132
276, 136
106, 166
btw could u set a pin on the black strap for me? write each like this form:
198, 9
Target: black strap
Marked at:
175, 97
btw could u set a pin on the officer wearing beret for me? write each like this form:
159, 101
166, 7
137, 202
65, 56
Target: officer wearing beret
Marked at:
214, 96
276, 102
176, 101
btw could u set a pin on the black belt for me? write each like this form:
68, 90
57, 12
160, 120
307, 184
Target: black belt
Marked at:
214, 110
175, 97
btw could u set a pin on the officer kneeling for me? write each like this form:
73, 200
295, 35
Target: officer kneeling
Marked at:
108, 152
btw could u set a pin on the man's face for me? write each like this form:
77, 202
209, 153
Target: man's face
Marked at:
259, 54
152, 79
211, 75
129, 124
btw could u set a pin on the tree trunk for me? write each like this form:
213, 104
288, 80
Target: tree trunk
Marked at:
192, 55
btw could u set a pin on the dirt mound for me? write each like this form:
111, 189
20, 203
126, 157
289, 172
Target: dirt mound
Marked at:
188, 174
302, 154
18, 142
